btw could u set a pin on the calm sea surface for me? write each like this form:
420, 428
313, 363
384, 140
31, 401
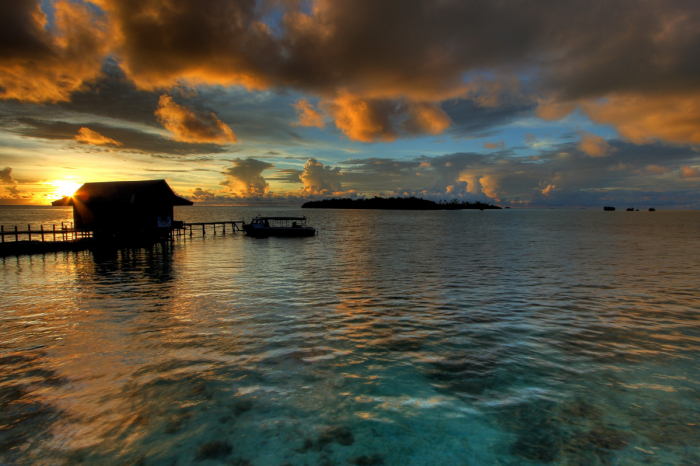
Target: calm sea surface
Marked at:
510, 337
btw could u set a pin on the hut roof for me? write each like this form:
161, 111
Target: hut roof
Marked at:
125, 192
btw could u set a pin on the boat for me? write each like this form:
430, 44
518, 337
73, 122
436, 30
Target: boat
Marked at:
278, 226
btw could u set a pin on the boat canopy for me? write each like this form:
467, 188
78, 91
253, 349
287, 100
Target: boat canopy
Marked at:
281, 218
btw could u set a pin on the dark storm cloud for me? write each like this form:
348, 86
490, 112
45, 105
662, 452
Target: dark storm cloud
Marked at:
38, 64
128, 138
381, 69
474, 120
113, 95
411, 45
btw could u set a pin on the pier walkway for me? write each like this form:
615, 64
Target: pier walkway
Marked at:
64, 233
235, 226
52, 238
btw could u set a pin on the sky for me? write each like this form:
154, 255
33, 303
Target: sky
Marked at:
539, 103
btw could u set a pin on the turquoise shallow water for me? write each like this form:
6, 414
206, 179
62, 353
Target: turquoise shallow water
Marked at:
396, 338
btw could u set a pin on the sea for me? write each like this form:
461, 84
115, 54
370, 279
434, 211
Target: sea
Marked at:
497, 337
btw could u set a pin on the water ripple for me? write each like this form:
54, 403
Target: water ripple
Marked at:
511, 337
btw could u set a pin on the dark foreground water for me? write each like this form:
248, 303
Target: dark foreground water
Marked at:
423, 338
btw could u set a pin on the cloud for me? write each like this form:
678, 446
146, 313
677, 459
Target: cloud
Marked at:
505, 177
616, 61
657, 169
554, 110
489, 186
308, 115
365, 120
287, 175
426, 118
495, 145
131, 139
383, 120
593, 146
88, 136
202, 195
14, 192
689, 172
6, 176
644, 118
42, 64
319, 179
188, 126
548, 190
245, 177
6, 179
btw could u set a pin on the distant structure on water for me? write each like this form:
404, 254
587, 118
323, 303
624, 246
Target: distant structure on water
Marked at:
124, 208
396, 203
609, 207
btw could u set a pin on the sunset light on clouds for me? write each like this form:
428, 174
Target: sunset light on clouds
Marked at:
275, 102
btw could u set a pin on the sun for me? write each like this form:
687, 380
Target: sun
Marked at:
66, 187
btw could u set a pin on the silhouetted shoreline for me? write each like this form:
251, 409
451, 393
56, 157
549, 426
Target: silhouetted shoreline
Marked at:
396, 203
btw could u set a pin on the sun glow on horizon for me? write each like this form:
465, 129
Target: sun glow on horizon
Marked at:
66, 187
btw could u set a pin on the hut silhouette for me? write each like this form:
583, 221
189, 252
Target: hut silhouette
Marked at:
124, 208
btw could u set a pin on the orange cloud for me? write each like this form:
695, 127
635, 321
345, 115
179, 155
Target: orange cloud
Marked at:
689, 172
548, 190
162, 43
188, 126
643, 118
362, 120
308, 115
88, 136
489, 185
495, 145
41, 65
552, 110
426, 118
592, 145
373, 85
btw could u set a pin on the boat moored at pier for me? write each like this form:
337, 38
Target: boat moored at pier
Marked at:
278, 226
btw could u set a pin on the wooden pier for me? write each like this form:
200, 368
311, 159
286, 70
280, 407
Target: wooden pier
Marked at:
64, 233
235, 226
40, 239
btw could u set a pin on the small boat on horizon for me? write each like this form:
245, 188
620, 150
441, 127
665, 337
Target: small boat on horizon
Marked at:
261, 227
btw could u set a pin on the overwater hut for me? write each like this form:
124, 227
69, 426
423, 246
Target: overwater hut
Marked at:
117, 208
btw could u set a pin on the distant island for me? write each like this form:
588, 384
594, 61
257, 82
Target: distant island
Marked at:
396, 203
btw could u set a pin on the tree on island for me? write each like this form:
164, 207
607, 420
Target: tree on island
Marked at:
396, 203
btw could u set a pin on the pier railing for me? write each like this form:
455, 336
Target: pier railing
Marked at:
66, 232
191, 228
